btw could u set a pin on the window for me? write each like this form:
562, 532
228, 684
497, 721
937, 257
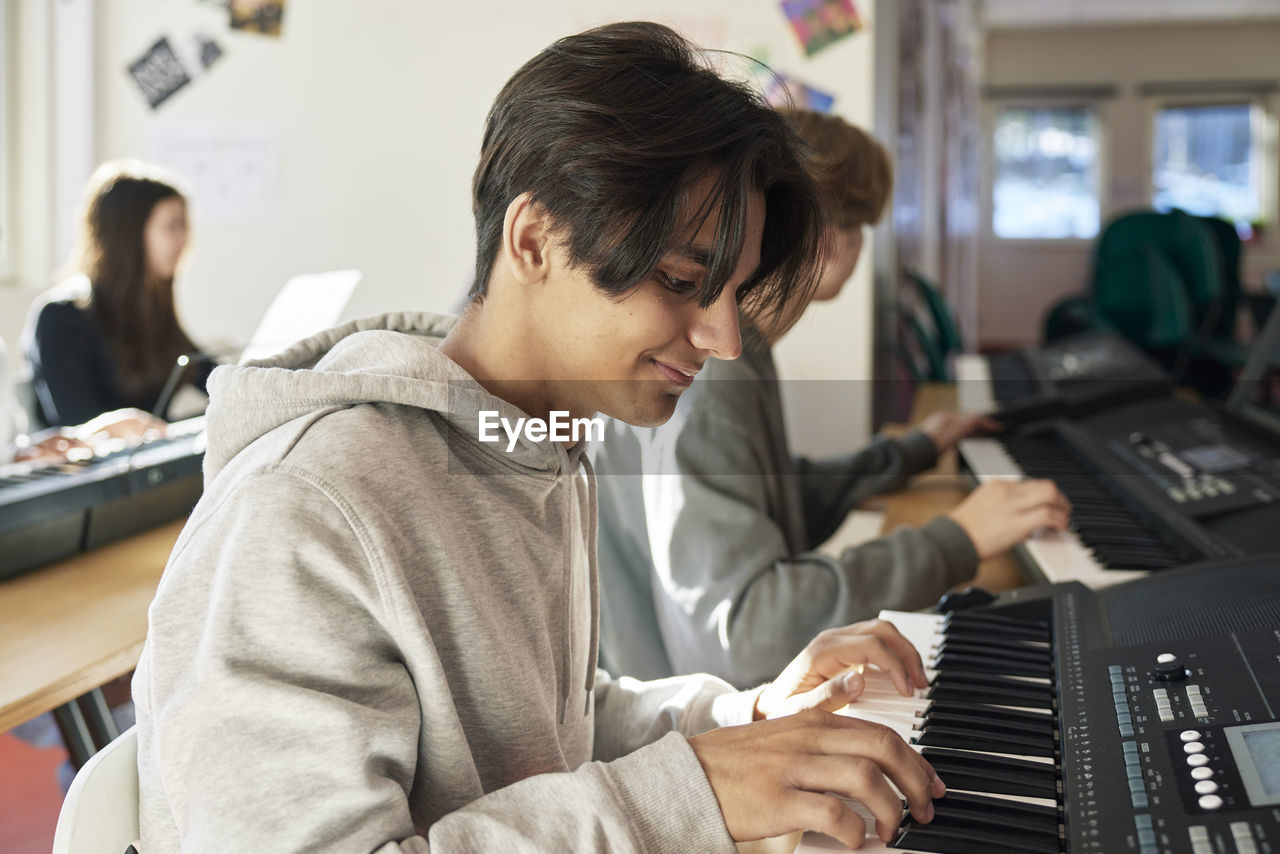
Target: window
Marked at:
1208, 161
1046, 173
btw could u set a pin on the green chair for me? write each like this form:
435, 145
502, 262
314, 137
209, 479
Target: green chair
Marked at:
1218, 327
1140, 293
949, 340
1158, 278
931, 327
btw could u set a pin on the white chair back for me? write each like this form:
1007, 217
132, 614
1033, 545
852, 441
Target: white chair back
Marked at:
100, 813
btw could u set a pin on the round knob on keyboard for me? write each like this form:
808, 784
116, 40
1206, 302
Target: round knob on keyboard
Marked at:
1169, 668
1193, 747
1196, 760
1206, 787
1189, 735
1204, 772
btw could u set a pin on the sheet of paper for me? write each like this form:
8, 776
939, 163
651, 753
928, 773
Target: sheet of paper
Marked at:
307, 304
231, 165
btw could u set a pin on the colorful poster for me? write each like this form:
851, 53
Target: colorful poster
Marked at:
258, 16
159, 73
786, 91
819, 23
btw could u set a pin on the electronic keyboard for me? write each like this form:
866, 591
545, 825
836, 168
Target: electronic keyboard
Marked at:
1153, 485
50, 512
1141, 718
1076, 375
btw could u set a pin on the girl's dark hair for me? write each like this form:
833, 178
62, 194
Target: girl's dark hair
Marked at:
606, 130
137, 317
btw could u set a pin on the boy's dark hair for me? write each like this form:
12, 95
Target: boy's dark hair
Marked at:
607, 129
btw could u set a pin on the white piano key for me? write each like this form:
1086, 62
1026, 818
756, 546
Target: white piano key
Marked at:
881, 703
973, 384
1058, 555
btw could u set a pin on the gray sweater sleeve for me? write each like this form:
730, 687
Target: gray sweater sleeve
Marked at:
831, 488
276, 712
734, 599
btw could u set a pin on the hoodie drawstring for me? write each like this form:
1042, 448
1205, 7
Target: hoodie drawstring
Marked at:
594, 574
566, 598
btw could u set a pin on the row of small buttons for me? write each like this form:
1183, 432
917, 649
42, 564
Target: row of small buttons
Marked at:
1123, 717
1133, 772
1243, 835
1208, 487
1163, 707
1240, 832
1198, 707
1200, 770
1146, 834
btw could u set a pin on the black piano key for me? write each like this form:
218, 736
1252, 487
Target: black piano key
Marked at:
979, 633
981, 722
1026, 650
1023, 652
989, 694
973, 776
955, 676
998, 812
943, 837
1010, 764
986, 617
967, 738
992, 664
989, 712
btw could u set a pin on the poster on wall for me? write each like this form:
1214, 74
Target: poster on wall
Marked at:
821, 23
785, 91
159, 73
258, 16
231, 165
208, 50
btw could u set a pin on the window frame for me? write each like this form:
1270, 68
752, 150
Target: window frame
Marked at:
8, 188
992, 106
1263, 126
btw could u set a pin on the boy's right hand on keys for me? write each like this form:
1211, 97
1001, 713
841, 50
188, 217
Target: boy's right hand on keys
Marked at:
999, 514
778, 776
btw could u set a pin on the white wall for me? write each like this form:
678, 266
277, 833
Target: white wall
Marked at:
379, 106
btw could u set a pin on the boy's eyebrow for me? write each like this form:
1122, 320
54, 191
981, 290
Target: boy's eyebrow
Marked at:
701, 256
695, 254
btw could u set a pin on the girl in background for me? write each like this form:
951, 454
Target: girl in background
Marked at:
108, 337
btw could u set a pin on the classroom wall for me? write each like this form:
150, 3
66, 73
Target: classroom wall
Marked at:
378, 108
1020, 280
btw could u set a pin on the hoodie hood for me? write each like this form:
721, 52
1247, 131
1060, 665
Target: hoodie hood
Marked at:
392, 358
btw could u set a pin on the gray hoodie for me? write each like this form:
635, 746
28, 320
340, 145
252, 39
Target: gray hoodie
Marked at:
708, 561
377, 633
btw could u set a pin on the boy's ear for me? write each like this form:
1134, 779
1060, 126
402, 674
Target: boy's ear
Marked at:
526, 239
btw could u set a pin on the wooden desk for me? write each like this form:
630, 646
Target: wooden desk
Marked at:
70, 627
936, 491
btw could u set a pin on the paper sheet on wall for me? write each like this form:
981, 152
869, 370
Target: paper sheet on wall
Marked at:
307, 304
231, 165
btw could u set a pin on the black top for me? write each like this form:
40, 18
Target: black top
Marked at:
74, 373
